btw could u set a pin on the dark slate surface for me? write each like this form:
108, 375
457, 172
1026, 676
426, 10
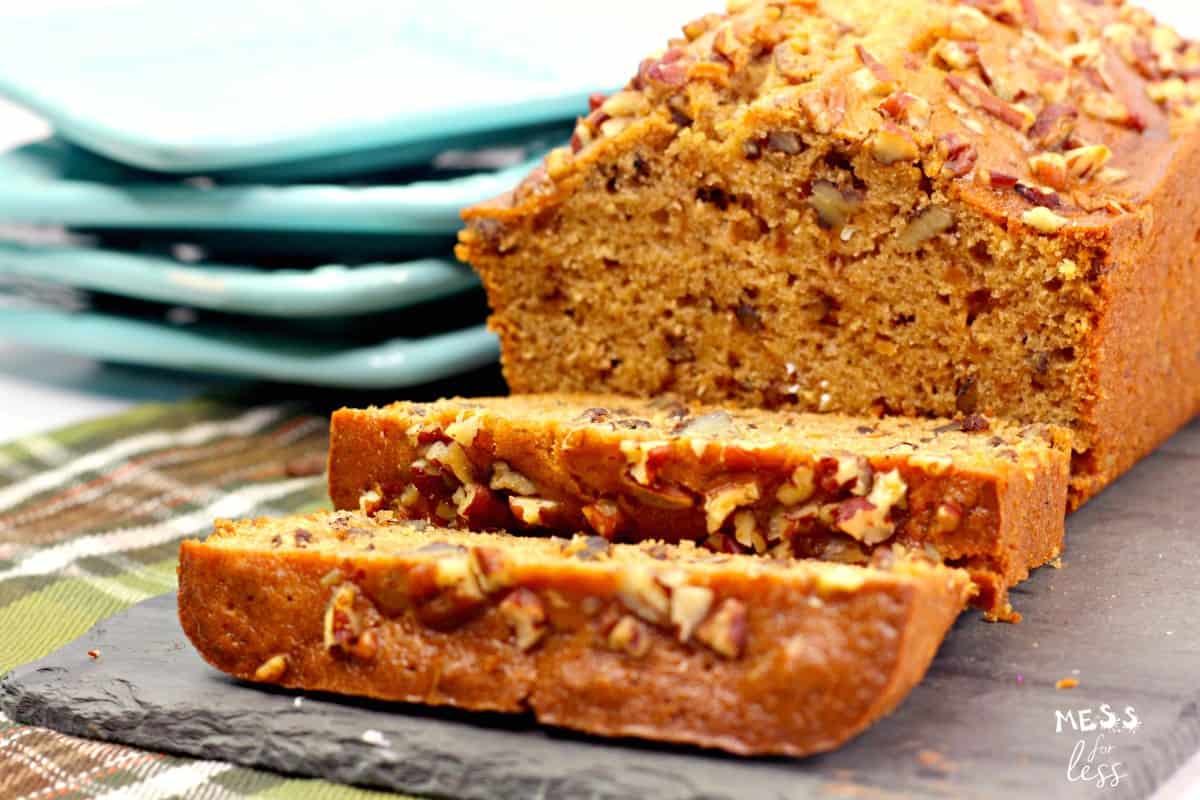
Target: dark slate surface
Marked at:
981, 725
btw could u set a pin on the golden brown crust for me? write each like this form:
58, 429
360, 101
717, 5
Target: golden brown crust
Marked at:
976, 493
916, 208
734, 652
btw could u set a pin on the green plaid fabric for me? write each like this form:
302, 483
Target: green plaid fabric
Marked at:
90, 522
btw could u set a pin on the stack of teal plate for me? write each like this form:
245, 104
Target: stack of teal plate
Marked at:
271, 189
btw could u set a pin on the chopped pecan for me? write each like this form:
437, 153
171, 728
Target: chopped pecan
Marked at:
785, 142
867, 519
833, 206
1053, 126
746, 532
1038, 197
525, 614
271, 670
671, 69
794, 62
1015, 116
932, 221
825, 108
954, 54
629, 636
642, 594
345, 628
892, 143
959, 154
480, 508
947, 518
907, 108
725, 629
451, 456
1050, 169
507, 479
490, 568
800, 486
1087, 161
605, 517
1106, 106
534, 512
998, 180
689, 606
1044, 220
626, 104
722, 500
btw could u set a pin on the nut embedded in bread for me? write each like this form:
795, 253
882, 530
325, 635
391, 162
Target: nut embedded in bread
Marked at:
918, 206
978, 493
655, 641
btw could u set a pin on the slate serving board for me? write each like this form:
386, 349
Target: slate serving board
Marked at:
982, 724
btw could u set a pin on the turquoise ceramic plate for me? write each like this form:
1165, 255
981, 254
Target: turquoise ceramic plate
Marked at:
324, 291
52, 182
228, 84
394, 363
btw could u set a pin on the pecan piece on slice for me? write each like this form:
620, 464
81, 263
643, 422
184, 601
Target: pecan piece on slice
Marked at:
525, 614
724, 631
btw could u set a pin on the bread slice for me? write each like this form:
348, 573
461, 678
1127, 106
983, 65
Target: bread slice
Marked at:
977, 493
919, 206
675, 644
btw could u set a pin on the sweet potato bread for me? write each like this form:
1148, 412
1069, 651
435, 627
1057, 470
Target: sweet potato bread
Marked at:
980, 494
916, 206
669, 643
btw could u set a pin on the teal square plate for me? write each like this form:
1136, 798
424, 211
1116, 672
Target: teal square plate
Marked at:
53, 182
388, 351
231, 84
320, 291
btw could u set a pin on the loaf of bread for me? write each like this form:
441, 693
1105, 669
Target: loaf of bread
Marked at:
976, 493
920, 207
676, 644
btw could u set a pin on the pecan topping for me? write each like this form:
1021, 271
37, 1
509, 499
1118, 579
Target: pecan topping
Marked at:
881, 73
907, 108
892, 143
959, 153
825, 108
1050, 169
1053, 126
1044, 220
1016, 116
1038, 197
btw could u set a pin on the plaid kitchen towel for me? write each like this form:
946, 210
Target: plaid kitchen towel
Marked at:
90, 522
